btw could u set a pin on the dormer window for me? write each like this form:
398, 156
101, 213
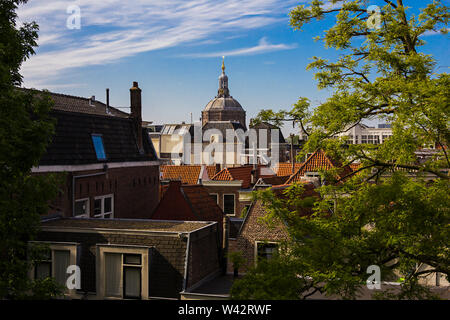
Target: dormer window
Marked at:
97, 140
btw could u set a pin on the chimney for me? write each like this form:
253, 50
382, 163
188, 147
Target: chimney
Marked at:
217, 169
136, 113
107, 101
91, 101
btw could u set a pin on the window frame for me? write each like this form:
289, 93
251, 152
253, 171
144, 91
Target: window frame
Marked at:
257, 242
72, 247
100, 266
102, 213
234, 204
88, 206
217, 197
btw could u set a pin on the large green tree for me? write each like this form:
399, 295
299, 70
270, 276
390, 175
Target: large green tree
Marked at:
393, 211
25, 130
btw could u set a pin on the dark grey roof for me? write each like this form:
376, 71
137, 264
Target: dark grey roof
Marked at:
223, 103
72, 142
70, 103
223, 126
268, 126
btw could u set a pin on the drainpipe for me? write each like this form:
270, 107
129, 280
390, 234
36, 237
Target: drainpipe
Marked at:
82, 176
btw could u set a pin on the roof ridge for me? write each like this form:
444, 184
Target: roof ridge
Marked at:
75, 97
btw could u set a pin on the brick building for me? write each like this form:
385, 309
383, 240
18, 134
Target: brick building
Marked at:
132, 259
108, 161
256, 240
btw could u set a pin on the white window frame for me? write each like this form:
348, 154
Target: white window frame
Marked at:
72, 247
263, 242
102, 206
234, 206
87, 214
100, 267
216, 195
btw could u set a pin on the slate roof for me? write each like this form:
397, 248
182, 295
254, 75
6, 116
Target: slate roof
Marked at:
70, 103
318, 161
274, 180
223, 126
72, 142
188, 174
269, 127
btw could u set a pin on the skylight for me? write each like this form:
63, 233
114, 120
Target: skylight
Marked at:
97, 140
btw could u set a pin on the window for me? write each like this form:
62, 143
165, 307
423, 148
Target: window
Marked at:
57, 258
215, 196
312, 174
81, 208
122, 271
363, 138
350, 139
228, 204
104, 206
265, 250
97, 140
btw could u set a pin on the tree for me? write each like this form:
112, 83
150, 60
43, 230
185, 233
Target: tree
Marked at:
25, 130
393, 211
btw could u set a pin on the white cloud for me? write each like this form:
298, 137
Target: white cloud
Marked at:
263, 47
115, 29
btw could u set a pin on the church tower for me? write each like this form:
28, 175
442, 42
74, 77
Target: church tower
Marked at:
223, 107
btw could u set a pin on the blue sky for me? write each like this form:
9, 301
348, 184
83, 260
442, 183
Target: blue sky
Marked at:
174, 49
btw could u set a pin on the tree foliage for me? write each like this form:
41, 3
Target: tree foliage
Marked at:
25, 130
394, 211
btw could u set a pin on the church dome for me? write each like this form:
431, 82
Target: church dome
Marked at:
223, 107
224, 103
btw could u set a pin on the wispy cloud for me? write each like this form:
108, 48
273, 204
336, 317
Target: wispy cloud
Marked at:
433, 32
114, 29
263, 47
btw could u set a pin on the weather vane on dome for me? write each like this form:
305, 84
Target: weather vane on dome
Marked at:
223, 63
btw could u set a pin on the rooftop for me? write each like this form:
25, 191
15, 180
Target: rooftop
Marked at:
187, 174
125, 224
72, 142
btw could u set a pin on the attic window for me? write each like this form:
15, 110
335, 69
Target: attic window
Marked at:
97, 140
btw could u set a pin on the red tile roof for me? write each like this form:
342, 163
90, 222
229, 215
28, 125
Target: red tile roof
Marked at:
188, 174
285, 168
318, 161
187, 203
236, 173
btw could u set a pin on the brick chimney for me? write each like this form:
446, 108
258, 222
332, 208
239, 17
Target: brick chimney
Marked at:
136, 113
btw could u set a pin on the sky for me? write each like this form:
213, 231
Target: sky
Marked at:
174, 49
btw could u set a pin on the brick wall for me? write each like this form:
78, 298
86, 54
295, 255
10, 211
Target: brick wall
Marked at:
252, 231
221, 190
135, 189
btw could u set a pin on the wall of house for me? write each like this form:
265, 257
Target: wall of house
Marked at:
204, 255
167, 264
221, 190
135, 190
254, 230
